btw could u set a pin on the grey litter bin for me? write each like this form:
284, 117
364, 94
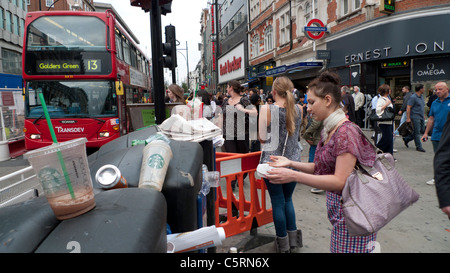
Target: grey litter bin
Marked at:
183, 179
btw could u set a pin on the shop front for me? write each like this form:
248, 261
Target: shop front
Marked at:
232, 66
403, 49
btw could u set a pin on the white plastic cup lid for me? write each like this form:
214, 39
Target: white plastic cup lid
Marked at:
55, 147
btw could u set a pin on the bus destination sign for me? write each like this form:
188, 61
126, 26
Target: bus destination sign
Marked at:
67, 66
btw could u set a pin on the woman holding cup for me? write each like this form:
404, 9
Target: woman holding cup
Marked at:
341, 145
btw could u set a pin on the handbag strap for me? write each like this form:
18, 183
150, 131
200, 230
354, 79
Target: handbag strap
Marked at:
284, 147
377, 150
372, 171
369, 169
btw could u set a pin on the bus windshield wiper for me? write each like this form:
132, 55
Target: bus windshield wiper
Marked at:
36, 120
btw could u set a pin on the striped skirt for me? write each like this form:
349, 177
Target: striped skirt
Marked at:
341, 241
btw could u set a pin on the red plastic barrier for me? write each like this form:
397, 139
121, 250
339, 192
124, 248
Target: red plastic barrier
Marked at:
251, 213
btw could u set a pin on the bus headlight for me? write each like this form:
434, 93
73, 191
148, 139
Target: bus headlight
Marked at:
35, 136
103, 134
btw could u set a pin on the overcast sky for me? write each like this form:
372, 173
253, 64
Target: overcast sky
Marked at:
185, 17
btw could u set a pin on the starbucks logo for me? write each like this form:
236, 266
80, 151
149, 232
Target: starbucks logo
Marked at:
50, 178
155, 161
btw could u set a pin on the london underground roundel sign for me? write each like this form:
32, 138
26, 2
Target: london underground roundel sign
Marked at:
315, 29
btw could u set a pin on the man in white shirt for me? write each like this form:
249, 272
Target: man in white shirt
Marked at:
358, 97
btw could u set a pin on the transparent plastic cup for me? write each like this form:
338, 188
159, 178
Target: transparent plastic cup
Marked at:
213, 178
63, 171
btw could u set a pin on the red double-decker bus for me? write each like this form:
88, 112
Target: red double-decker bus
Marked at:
87, 68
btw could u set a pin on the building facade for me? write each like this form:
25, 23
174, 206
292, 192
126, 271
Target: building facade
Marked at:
45, 5
367, 42
233, 45
224, 44
370, 46
12, 22
278, 44
207, 62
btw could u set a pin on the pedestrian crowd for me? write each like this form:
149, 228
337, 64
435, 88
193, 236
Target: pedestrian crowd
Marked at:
274, 122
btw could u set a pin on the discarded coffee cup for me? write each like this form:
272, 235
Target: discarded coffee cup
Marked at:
156, 157
63, 171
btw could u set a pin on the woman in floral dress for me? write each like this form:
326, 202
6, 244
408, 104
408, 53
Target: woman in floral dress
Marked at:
341, 145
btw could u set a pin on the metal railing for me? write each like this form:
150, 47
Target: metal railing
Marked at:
19, 186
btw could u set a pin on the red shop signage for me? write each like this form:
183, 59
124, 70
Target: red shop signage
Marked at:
230, 66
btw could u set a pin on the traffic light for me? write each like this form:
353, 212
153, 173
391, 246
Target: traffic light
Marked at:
170, 48
146, 5
166, 8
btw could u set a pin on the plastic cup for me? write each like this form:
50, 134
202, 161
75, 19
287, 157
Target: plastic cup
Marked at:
213, 178
68, 196
156, 157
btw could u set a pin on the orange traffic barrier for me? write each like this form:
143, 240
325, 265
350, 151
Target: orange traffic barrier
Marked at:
241, 214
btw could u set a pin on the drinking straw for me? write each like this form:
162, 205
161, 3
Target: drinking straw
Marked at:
52, 133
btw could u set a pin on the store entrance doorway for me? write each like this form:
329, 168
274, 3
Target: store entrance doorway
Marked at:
396, 83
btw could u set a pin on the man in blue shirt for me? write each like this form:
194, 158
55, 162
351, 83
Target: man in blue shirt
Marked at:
414, 113
437, 117
442, 169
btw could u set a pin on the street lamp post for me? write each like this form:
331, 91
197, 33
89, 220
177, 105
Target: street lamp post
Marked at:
187, 62
216, 4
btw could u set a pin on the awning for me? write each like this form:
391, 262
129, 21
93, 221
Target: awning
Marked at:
289, 69
249, 81
303, 73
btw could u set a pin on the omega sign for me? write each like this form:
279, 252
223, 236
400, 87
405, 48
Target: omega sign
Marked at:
232, 65
430, 69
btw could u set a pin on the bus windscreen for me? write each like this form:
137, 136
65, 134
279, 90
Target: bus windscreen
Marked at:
72, 99
61, 45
